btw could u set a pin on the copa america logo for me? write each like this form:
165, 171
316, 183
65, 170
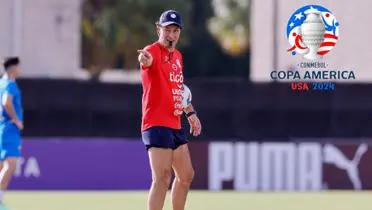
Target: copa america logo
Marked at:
312, 31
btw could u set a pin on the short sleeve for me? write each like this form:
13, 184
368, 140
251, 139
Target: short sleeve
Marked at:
11, 89
182, 64
181, 60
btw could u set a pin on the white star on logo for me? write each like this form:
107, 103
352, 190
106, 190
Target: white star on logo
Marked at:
291, 25
298, 16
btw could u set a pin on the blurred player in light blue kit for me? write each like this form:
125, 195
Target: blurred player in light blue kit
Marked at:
11, 122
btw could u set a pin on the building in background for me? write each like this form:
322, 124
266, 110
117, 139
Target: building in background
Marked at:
45, 34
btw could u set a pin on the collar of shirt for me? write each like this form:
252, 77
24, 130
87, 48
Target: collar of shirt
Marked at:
166, 55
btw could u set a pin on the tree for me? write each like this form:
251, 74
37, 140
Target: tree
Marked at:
113, 30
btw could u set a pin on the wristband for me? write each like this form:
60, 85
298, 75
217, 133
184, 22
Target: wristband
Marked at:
190, 113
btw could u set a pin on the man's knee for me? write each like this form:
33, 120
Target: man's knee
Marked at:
163, 177
186, 177
10, 166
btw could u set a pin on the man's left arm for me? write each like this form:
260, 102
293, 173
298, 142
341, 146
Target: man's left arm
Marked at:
192, 117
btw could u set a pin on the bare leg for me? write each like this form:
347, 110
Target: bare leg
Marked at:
1, 191
7, 171
8, 167
161, 168
184, 172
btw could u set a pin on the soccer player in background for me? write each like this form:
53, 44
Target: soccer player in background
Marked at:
166, 143
11, 122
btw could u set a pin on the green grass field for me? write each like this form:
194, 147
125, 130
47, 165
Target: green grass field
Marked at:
198, 200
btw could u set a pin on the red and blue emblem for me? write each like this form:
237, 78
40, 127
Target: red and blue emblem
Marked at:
294, 33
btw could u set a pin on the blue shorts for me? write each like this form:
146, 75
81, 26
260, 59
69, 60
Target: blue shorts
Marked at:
10, 142
163, 137
10, 150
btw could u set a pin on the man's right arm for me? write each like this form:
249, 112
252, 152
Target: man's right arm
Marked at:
145, 58
7, 102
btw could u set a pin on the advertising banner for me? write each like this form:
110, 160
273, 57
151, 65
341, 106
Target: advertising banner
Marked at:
122, 164
82, 164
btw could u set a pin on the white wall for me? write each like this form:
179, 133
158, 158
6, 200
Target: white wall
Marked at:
47, 36
5, 27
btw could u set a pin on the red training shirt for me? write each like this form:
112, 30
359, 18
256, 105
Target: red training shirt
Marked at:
162, 88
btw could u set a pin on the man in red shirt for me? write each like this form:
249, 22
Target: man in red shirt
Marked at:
165, 141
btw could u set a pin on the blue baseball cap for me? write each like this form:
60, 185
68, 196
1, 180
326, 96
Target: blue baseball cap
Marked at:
170, 17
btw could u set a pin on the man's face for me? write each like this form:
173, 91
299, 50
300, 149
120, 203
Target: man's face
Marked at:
16, 69
169, 35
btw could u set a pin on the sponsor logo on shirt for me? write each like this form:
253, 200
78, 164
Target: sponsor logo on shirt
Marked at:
174, 77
